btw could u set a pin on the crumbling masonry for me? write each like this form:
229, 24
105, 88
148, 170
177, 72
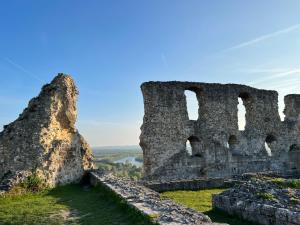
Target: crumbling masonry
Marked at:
219, 149
44, 139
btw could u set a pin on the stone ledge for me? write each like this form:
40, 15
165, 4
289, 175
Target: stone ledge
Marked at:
149, 203
196, 184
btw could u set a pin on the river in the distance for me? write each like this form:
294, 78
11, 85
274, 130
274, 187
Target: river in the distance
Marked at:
131, 160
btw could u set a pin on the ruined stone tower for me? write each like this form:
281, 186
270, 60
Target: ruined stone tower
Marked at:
44, 138
219, 148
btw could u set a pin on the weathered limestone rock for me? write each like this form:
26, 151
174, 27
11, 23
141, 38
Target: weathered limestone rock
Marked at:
219, 148
44, 139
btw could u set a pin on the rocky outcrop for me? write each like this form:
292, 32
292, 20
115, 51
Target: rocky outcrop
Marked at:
44, 139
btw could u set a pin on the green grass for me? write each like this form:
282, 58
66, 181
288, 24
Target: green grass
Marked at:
69, 204
294, 201
266, 196
286, 183
202, 201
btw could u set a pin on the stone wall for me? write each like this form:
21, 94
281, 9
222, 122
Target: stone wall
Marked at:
219, 148
44, 139
148, 202
195, 184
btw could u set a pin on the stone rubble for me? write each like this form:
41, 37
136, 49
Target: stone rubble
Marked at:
148, 202
263, 201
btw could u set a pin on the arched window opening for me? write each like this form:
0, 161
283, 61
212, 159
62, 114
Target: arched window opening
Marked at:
294, 148
192, 104
269, 140
242, 111
193, 147
189, 148
232, 142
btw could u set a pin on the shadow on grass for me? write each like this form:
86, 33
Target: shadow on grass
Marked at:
96, 205
222, 217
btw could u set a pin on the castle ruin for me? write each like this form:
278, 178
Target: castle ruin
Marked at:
44, 139
219, 148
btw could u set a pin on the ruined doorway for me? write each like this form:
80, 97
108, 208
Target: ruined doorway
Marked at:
194, 147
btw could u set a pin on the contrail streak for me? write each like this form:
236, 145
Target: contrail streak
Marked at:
264, 37
21, 68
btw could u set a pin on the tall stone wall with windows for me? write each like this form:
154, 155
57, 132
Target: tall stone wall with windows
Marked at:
219, 148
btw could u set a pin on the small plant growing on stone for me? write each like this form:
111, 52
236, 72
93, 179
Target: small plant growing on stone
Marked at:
153, 216
34, 183
294, 201
279, 181
265, 196
286, 183
293, 184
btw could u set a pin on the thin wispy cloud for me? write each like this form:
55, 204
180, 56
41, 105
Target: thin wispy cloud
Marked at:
263, 70
264, 37
282, 84
21, 68
287, 73
164, 60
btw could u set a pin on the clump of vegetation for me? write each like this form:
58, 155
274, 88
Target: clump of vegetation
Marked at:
293, 184
279, 181
266, 196
154, 216
34, 183
286, 183
294, 201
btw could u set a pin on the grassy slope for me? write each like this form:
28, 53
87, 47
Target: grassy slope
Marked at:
201, 201
69, 204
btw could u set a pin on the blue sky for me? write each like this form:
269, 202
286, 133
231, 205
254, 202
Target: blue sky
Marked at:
110, 47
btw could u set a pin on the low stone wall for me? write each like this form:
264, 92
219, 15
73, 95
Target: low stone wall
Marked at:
148, 202
260, 213
197, 184
264, 202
